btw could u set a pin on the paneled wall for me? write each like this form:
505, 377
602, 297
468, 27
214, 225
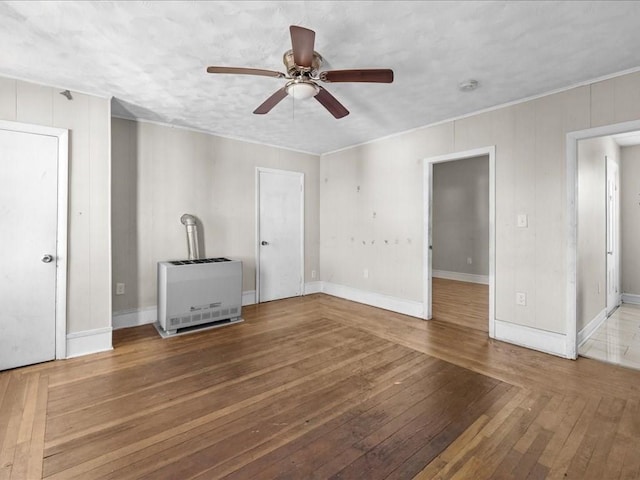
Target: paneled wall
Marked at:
592, 224
88, 120
160, 173
385, 177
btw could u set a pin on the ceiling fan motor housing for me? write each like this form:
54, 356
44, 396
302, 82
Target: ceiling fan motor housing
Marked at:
294, 70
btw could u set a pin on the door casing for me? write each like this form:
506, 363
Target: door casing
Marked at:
489, 151
613, 235
572, 140
61, 242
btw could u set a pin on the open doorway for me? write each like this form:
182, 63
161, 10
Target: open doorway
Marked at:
608, 228
459, 239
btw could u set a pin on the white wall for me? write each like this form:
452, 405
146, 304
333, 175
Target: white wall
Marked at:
88, 120
592, 224
160, 173
530, 142
461, 216
630, 219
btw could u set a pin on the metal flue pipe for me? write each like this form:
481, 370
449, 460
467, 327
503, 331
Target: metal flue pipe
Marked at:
192, 235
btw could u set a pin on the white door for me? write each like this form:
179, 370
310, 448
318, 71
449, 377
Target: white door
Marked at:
613, 225
28, 222
280, 234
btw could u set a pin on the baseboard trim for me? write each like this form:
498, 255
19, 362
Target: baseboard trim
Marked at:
148, 315
631, 298
134, 318
541, 340
248, 298
89, 341
461, 277
312, 287
592, 326
386, 302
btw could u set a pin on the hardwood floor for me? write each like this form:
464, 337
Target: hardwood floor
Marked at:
463, 303
319, 387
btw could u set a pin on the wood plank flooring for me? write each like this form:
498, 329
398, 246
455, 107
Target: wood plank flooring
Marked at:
319, 387
463, 303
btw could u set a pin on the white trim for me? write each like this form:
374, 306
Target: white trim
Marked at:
379, 300
461, 277
109, 210
213, 134
134, 317
88, 341
592, 326
428, 227
144, 316
300, 175
491, 109
53, 86
536, 339
62, 224
572, 220
248, 297
312, 287
631, 298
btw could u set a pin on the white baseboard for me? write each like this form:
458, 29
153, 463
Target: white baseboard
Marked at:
88, 341
541, 340
134, 318
312, 287
461, 277
631, 298
592, 326
144, 316
248, 297
386, 302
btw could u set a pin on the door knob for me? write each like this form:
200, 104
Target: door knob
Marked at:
264, 243
47, 258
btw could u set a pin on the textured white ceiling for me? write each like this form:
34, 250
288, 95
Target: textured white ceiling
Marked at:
151, 57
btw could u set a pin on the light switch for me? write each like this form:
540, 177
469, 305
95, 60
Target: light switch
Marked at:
522, 220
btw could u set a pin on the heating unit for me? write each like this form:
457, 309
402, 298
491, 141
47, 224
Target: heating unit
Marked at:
198, 292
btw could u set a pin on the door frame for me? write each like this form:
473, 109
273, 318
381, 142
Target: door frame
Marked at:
62, 136
615, 228
299, 175
571, 284
428, 163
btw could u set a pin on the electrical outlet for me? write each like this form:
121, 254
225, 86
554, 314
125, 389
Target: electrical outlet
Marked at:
521, 299
469, 260
119, 288
599, 288
313, 274
365, 273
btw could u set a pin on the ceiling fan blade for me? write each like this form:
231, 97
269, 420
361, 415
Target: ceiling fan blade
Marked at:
246, 71
331, 103
379, 75
302, 41
271, 102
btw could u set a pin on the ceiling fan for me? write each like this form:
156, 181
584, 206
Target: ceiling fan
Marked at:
303, 65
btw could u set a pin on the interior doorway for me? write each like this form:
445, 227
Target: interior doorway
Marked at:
455, 288
603, 165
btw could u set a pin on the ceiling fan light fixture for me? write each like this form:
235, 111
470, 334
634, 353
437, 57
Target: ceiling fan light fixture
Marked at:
301, 89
